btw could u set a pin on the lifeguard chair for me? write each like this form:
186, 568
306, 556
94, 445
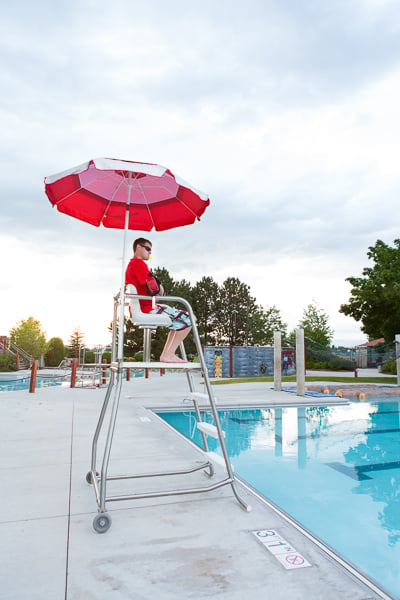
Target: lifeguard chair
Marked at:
99, 478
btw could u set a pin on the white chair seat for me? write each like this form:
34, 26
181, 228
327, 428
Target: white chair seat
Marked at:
141, 318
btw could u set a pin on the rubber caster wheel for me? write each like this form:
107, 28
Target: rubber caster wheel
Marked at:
102, 522
89, 477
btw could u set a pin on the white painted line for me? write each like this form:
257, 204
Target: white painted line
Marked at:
281, 549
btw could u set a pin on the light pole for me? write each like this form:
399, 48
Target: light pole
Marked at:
234, 326
247, 326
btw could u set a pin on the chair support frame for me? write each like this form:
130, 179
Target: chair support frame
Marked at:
99, 480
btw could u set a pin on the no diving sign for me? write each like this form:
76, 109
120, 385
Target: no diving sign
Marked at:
281, 549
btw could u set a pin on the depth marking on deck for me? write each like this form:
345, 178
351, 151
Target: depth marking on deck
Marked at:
281, 549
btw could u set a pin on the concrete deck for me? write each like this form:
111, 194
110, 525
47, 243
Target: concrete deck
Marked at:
189, 547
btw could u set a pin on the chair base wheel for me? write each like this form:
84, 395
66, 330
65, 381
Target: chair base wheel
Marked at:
102, 522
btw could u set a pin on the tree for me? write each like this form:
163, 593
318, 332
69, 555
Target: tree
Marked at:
315, 325
226, 314
182, 289
164, 276
76, 342
55, 352
29, 336
205, 300
133, 339
375, 296
263, 323
235, 308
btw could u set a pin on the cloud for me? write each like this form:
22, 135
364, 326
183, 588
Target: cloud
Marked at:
284, 113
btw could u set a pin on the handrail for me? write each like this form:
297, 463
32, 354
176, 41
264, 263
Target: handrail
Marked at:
7, 345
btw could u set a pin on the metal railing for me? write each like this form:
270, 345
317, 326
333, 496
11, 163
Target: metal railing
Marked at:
23, 359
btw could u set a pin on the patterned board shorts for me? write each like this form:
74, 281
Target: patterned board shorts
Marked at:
180, 318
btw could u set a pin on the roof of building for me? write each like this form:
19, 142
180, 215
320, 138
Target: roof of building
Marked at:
373, 343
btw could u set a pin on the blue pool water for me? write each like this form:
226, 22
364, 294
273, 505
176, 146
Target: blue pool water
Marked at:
45, 381
335, 469
23, 384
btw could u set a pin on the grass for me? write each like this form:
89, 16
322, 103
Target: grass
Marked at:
311, 379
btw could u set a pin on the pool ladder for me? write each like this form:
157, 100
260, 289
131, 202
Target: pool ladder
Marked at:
100, 478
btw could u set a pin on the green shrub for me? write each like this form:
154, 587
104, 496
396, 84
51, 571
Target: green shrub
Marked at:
8, 362
389, 367
55, 352
327, 360
89, 356
107, 357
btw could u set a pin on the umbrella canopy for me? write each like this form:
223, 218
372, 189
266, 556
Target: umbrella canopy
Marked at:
124, 194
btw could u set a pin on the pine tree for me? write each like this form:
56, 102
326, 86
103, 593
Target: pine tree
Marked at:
76, 342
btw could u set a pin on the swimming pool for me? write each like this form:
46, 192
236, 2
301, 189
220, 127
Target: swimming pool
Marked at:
23, 383
335, 469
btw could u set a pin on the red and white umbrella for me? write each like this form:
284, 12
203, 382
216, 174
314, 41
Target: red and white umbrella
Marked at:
102, 192
125, 195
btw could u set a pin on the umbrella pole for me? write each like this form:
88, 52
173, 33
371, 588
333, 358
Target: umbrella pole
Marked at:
120, 354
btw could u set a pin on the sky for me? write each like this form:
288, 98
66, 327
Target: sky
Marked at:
285, 112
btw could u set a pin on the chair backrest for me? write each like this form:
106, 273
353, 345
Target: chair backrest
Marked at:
141, 318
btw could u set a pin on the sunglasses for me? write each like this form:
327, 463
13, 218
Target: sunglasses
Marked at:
148, 248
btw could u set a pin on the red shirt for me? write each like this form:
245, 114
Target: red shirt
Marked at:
136, 273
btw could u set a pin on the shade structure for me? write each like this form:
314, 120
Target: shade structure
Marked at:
123, 194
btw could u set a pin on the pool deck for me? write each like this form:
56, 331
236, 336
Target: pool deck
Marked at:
196, 546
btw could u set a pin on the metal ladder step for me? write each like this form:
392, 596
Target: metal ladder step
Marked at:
199, 396
209, 429
217, 459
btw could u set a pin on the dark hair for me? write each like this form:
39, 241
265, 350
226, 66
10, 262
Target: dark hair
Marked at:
140, 242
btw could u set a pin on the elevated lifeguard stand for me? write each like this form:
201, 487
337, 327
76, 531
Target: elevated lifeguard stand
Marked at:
99, 478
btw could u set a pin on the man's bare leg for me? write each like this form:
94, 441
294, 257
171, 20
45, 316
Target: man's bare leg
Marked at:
173, 342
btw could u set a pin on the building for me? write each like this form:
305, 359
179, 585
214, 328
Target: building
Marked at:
367, 355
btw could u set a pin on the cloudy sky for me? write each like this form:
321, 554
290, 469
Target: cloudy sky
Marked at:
285, 112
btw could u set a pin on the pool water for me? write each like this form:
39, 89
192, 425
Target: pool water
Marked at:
16, 385
335, 469
23, 384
